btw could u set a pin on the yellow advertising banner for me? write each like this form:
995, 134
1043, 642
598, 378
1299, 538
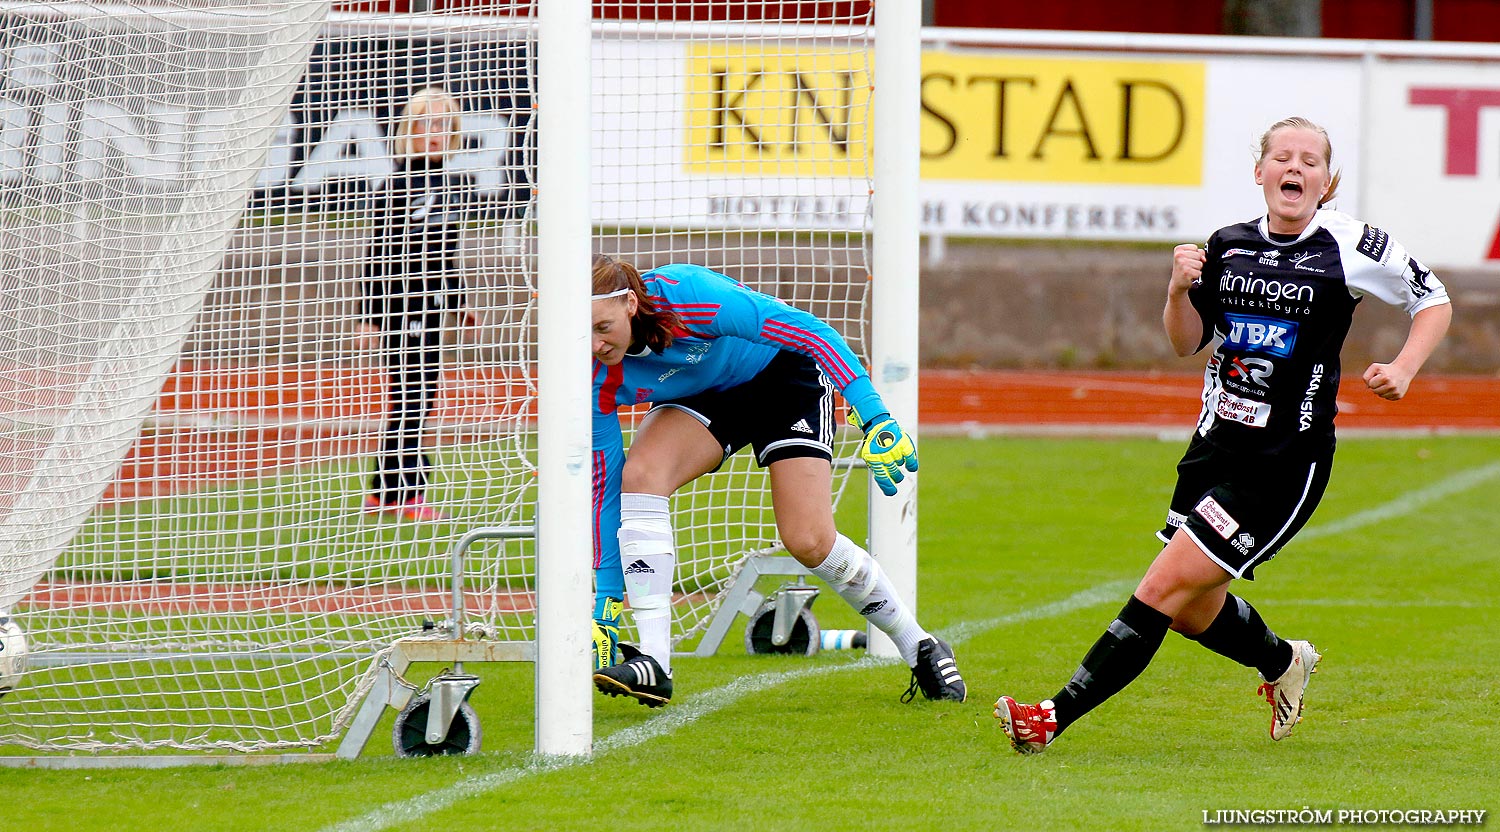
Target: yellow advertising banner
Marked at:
1062, 120
769, 113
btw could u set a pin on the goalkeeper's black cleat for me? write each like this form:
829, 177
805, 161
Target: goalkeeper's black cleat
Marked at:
936, 673
639, 676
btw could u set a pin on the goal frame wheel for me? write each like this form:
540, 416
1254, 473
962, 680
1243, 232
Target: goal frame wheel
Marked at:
803, 635
409, 736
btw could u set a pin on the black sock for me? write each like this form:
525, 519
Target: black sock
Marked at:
1113, 662
1239, 633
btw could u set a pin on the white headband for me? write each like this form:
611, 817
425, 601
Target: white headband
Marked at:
618, 293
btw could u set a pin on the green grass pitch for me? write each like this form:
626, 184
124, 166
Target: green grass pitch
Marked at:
1028, 548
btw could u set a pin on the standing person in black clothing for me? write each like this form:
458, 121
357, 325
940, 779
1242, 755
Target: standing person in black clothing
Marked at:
1279, 295
411, 283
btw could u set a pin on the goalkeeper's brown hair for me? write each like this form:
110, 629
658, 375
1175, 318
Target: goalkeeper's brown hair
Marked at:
651, 325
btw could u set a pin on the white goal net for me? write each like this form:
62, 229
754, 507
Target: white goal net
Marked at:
265, 357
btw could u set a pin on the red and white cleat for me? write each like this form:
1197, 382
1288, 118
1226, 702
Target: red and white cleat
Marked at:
1030, 727
1286, 693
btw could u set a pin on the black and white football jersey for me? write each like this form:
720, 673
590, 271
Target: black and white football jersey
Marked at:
1280, 312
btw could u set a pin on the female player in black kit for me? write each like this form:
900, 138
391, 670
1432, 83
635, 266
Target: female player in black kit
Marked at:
1279, 294
411, 282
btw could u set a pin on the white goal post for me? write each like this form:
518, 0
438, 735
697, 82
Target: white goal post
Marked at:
199, 406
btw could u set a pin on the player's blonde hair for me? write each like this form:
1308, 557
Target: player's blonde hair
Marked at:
1305, 124
428, 101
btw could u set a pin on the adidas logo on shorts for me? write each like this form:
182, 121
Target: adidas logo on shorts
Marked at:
802, 426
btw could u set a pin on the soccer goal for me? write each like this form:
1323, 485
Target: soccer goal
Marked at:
223, 527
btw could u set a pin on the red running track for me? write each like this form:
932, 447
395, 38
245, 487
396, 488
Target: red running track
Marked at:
1019, 399
290, 417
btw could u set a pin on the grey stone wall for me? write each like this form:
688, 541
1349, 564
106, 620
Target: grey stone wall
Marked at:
1069, 305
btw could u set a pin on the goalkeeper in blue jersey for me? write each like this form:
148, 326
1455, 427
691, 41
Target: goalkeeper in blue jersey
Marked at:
726, 367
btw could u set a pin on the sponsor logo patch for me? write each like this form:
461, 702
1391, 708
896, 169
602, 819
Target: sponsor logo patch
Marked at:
1299, 260
1271, 290
1373, 243
1268, 258
696, 352
1243, 543
1246, 412
1217, 518
1253, 370
1253, 333
1417, 279
1239, 251
1305, 410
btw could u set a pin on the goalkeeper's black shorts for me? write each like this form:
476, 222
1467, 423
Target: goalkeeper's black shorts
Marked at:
1241, 508
785, 412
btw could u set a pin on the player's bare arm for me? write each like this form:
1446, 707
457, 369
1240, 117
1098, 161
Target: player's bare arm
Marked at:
1390, 381
1184, 326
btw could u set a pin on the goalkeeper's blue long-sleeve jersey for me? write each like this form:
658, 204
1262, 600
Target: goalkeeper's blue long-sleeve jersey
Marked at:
729, 334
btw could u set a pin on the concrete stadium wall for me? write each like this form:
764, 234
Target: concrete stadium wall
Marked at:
1073, 305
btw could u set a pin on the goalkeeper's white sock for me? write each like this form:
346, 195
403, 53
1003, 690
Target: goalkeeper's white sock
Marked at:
649, 562
858, 579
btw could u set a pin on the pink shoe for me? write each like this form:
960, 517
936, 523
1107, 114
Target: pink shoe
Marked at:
374, 506
417, 511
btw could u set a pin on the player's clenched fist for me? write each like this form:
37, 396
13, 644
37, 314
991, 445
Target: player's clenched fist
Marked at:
1187, 266
1388, 381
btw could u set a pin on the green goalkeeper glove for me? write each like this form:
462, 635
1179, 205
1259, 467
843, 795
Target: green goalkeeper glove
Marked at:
886, 450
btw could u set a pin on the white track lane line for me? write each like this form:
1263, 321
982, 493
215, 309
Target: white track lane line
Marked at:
715, 700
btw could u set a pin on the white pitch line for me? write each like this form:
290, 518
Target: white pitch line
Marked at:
717, 699
1407, 503
1108, 591
1365, 603
690, 711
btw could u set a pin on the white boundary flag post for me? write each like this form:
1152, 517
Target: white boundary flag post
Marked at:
895, 295
564, 695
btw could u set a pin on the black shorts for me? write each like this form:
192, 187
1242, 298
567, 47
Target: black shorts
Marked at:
1241, 508
785, 412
